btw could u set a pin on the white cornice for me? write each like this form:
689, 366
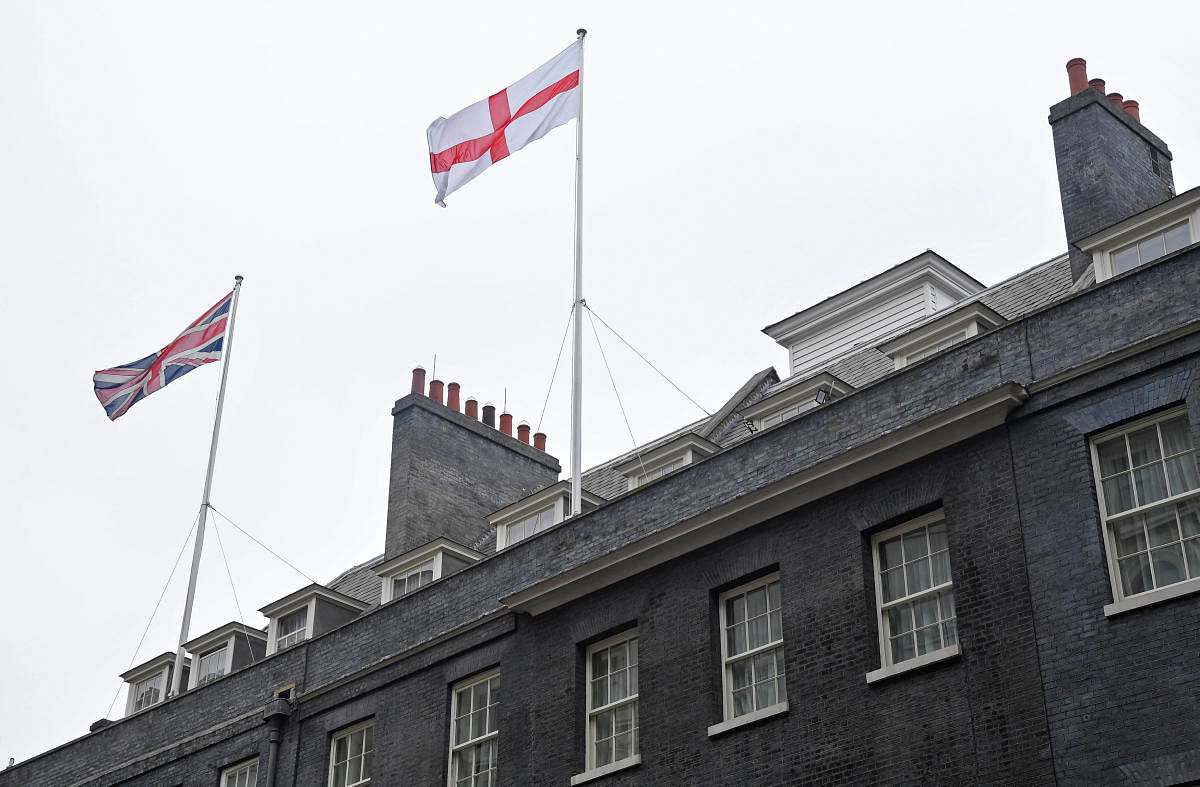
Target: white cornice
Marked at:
419, 555
304, 595
224, 633
971, 417
944, 324
798, 392
667, 451
148, 668
539, 500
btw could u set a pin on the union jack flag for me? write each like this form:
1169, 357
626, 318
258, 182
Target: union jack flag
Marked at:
123, 386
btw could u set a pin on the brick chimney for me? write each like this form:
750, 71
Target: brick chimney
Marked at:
449, 471
1110, 166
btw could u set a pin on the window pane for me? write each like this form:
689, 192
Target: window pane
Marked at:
891, 554
599, 692
1125, 260
1168, 565
917, 575
1177, 237
600, 663
623, 746
773, 601
1113, 458
1151, 248
339, 774
740, 673
1189, 517
764, 666
949, 632
743, 701
1150, 483
479, 723
915, 544
462, 729
1192, 548
925, 611
903, 648
1135, 574
623, 719
776, 632
1118, 494
1143, 446
735, 610
633, 652
941, 568
1182, 474
617, 657
1160, 526
946, 600
757, 632
1176, 436
1130, 536
893, 584
937, 537
604, 725
899, 619
756, 602
604, 751
764, 694
736, 640
619, 687
928, 639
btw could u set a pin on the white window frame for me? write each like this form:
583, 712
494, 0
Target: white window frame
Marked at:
794, 400
1121, 602
728, 660
134, 694
488, 736
346, 733
227, 649
433, 566
310, 609
1111, 240
591, 711
889, 667
231, 776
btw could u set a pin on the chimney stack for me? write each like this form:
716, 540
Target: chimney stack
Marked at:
539, 441
489, 415
435, 391
472, 408
523, 432
452, 396
418, 381
506, 423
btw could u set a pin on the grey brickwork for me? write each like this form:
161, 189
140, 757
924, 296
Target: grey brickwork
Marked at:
450, 471
1110, 167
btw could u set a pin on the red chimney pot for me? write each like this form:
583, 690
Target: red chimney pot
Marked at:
472, 408
523, 432
1098, 84
539, 441
435, 391
489, 415
452, 396
1077, 75
418, 384
1131, 107
506, 423
1116, 98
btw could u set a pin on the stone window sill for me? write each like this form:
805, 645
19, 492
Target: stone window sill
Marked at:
604, 770
933, 657
748, 718
1156, 596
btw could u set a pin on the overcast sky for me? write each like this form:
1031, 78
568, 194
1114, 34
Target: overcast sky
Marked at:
743, 161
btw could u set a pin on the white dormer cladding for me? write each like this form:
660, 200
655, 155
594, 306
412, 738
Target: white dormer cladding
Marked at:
940, 332
871, 310
314, 610
1145, 237
540, 511
418, 567
672, 455
795, 400
149, 682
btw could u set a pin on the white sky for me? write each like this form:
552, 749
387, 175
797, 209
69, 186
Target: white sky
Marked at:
743, 161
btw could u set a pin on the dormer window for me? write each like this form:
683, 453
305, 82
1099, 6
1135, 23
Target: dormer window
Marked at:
149, 682
291, 629
666, 458
213, 665
418, 567
790, 400
1149, 249
148, 692
939, 333
540, 511
307, 613
1144, 237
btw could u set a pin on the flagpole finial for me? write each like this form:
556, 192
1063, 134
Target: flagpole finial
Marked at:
238, 278
581, 32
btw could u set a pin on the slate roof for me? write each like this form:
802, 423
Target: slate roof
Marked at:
360, 582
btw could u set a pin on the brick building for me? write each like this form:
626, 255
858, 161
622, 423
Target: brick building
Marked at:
957, 542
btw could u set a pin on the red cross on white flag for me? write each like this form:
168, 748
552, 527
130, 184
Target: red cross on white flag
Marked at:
469, 141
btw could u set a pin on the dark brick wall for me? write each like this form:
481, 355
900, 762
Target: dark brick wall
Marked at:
1118, 693
449, 472
1110, 167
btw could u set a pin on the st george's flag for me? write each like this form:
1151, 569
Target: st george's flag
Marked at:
469, 141
121, 387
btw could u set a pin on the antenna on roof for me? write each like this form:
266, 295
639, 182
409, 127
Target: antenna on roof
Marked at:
433, 374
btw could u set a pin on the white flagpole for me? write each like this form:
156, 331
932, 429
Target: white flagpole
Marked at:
577, 356
226, 352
